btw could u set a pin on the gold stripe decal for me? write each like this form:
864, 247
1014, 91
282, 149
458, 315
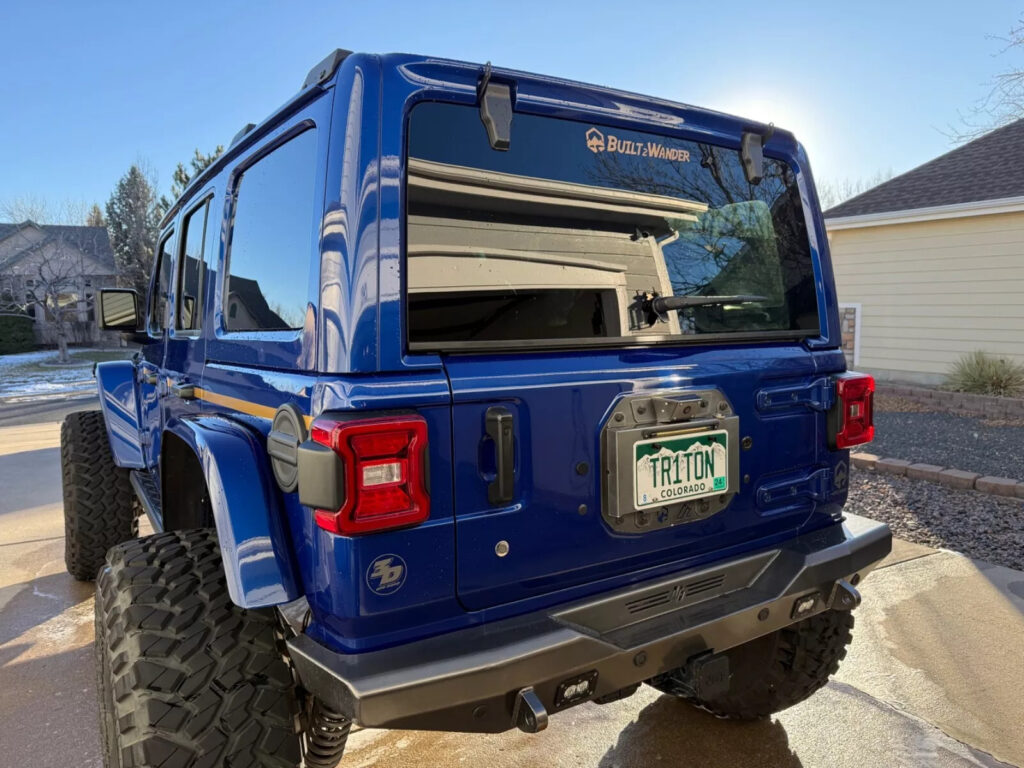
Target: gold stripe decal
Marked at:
245, 406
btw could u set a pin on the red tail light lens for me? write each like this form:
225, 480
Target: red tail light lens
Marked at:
855, 392
384, 464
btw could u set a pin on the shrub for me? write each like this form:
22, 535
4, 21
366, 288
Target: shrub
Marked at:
982, 374
16, 335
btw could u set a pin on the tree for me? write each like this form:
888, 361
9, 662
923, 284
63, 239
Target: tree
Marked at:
1004, 102
95, 217
182, 176
832, 193
133, 219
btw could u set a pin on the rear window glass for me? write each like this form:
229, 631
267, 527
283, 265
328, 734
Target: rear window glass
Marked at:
585, 232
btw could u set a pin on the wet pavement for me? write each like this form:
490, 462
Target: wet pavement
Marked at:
935, 675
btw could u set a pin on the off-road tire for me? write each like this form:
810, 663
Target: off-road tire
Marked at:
99, 503
776, 671
185, 677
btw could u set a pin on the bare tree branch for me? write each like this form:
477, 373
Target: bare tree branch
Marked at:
1004, 101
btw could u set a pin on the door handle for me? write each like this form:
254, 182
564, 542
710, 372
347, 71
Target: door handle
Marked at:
183, 390
500, 426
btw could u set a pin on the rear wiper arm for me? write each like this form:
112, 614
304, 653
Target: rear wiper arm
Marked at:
649, 308
662, 304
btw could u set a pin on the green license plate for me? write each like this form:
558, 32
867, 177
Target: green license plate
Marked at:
667, 470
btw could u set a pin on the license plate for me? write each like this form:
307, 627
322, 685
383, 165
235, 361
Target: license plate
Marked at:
667, 470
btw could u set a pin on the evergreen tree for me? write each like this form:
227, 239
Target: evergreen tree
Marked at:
95, 217
133, 219
182, 176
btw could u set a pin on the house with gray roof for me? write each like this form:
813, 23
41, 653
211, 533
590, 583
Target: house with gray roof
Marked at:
53, 273
930, 264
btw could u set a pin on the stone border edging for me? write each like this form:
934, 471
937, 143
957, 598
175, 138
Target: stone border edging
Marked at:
952, 478
989, 406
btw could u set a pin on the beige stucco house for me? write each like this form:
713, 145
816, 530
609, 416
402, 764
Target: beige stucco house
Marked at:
930, 264
53, 272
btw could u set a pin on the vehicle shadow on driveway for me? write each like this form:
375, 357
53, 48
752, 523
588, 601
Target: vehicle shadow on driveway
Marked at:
38, 601
672, 732
41, 468
48, 713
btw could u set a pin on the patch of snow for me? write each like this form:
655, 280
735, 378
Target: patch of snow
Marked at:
23, 375
26, 358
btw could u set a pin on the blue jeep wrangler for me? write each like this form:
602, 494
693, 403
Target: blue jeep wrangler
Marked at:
467, 396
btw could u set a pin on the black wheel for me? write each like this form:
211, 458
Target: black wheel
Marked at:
99, 503
185, 677
773, 672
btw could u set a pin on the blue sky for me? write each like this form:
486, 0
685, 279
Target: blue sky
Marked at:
88, 88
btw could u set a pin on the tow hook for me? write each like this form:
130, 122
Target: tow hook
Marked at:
528, 714
846, 596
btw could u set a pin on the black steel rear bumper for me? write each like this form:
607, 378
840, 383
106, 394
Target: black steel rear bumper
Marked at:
471, 680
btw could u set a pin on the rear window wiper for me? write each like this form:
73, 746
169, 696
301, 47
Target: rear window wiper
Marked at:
662, 304
650, 307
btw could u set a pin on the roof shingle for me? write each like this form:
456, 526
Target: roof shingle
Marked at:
989, 168
92, 240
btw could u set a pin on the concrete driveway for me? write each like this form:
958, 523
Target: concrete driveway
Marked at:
935, 676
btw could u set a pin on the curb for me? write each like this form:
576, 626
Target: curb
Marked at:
28, 399
959, 479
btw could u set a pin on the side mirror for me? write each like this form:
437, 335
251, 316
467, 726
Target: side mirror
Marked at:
119, 309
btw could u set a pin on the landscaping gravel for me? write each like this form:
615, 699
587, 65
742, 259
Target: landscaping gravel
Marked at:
961, 442
979, 525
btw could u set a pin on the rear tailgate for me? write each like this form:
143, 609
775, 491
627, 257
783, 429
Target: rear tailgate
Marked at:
554, 530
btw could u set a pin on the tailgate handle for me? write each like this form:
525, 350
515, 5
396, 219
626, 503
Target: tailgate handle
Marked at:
499, 425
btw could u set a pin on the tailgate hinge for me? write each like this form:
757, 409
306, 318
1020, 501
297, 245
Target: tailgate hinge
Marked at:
816, 486
819, 395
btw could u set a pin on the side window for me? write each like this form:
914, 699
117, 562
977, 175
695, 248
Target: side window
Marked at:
158, 310
269, 256
191, 270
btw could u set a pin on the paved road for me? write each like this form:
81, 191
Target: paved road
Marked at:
934, 676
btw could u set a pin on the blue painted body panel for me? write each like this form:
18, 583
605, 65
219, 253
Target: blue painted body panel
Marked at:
246, 510
119, 402
351, 356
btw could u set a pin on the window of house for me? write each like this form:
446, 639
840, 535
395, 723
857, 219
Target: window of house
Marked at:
160, 305
269, 255
190, 271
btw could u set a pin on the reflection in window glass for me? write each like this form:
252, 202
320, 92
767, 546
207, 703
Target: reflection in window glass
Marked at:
580, 231
158, 311
269, 256
191, 271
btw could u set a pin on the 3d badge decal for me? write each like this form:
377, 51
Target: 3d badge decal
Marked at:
386, 574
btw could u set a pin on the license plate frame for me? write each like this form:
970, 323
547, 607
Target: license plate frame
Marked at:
688, 478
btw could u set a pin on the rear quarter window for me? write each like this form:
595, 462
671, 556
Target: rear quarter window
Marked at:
268, 258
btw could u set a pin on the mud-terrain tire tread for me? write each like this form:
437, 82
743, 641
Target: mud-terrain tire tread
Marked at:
99, 503
774, 672
193, 679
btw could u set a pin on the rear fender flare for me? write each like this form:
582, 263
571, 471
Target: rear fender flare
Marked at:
115, 381
247, 513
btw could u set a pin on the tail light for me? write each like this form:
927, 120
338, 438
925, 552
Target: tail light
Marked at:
382, 466
856, 420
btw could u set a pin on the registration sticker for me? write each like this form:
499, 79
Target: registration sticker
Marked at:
672, 469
